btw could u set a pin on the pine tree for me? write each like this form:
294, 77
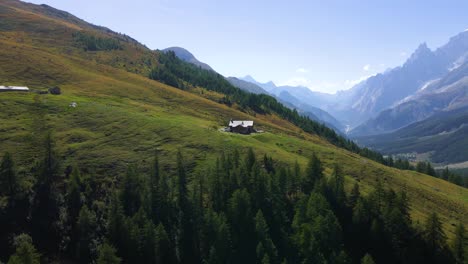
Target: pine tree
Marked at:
367, 259
376, 197
107, 255
216, 188
155, 191
354, 195
240, 219
45, 211
268, 249
185, 242
148, 243
131, 191
268, 163
164, 252
336, 183
445, 174
421, 167
361, 213
116, 226
295, 181
317, 233
459, 244
9, 182
216, 237
250, 159
434, 233
74, 200
314, 173
86, 225
25, 251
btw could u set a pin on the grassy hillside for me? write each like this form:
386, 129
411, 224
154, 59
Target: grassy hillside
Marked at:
122, 116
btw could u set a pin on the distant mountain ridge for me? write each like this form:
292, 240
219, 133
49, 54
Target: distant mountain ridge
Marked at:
303, 99
383, 91
445, 89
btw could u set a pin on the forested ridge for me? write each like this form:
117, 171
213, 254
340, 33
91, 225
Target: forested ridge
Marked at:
241, 209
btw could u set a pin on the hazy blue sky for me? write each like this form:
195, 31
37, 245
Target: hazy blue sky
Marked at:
326, 45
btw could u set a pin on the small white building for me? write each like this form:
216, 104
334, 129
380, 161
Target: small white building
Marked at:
13, 88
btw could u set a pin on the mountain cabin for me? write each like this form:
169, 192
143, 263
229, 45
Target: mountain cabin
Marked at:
241, 126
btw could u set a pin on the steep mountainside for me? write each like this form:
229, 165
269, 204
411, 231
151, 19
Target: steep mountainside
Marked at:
185, 55
385, 90
444, 136
246, 86
121, 116
447, 93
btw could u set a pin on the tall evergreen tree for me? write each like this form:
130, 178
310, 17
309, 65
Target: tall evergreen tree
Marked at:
9, 182
86, 233
107, 255
164, 252
367, 259
45, 211
131, 191
317, 233
74, 199
185, 241
336, 186
250, 159
148, 242
265, 246
216, 237
354, 195
240, 218
268, 163
314, 173
116, 226
155, 191
25, 253
459, 245
434, 234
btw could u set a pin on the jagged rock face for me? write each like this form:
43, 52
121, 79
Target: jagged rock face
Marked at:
446, 93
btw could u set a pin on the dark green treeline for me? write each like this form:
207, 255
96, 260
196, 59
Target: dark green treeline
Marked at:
242, 209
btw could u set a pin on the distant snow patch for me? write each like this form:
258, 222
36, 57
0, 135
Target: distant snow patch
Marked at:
459, 62
427, 84
415, 95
